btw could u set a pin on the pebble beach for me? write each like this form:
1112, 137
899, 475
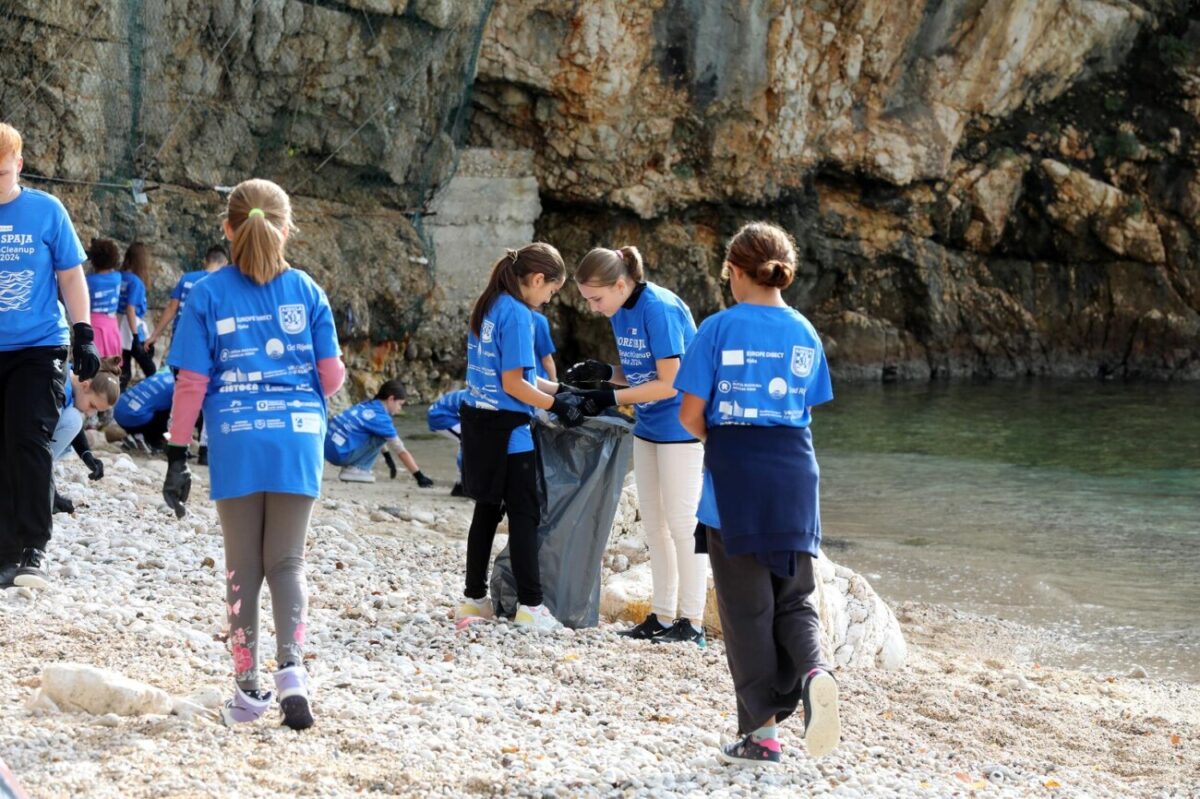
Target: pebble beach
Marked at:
408, 706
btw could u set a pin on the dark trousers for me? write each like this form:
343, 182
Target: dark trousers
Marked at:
144, 358
521, 505
155, 430
771, 629
32, 384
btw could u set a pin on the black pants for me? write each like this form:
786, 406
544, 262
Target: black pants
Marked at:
32, 383
155, 430
521, 505
144, 358
772, 632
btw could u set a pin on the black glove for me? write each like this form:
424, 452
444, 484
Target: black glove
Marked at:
83, 355
62, 504
422, 480
135, 346
566, 408
94, 464
391, 464
588, 371
594, 402
178, 482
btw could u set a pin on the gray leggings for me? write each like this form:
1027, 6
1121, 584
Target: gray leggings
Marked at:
264, 537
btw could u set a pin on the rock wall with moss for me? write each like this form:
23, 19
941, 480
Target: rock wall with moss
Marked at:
977, 187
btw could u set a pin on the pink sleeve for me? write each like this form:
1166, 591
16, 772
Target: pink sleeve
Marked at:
332, 373
190, 388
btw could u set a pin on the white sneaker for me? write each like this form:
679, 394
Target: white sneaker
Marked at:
474, 609
353, 474
536, 618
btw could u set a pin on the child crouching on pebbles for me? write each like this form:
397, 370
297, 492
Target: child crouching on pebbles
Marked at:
749, 381
257, 346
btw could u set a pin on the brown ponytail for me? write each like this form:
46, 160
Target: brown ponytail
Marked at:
107, 381
259, 214
765, 252
509, 271
604, 267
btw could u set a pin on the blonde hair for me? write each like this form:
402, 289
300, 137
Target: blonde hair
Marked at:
604, 267
10, 141
258, 237
765, 252
107, 382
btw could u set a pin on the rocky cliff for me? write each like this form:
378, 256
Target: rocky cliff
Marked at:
978, 187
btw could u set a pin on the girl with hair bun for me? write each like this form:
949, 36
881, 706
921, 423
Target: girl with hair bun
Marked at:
257, 347
104, 288
652, 328
749, 383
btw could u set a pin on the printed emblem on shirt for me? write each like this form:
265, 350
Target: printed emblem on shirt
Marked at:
485, 334
306, 423
778, 387
15, 290
733, 357
368, 414
292, 318
274, 348
802, 360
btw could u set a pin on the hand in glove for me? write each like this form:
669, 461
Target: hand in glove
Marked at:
136, 346
422, 480
566, 408
594, 403
83, 355
94, 464
588, 371
178, 482
391, 464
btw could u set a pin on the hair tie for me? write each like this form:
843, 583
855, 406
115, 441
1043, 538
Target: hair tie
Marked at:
256, 212
512, 255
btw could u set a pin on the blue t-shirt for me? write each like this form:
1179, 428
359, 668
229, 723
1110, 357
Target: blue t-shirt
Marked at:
543, 342
133, 292
754, 365
658, 326
505, 342
105, 291
36, 240
259, 346
443, 413
181, 291
140, 402
354, 426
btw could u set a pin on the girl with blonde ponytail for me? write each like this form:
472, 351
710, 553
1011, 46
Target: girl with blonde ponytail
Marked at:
652, 328
256, 346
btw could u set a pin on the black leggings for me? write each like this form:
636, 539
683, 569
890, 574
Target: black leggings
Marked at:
521, 505
155, 430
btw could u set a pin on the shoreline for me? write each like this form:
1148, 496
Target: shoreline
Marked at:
405, 706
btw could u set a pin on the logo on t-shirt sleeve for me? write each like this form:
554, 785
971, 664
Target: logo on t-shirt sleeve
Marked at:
292, 318
802, 360
485, 334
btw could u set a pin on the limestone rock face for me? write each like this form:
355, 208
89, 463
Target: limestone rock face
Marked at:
74, 687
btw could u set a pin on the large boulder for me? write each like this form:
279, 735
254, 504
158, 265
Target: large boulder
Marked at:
75, 687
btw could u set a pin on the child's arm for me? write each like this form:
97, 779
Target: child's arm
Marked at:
131, 317
661, 387
168, 315
551, 369
516, 386
691, 416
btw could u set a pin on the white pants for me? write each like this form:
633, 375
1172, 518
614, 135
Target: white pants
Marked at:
669, 479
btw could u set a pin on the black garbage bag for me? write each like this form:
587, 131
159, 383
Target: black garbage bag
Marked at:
582, 471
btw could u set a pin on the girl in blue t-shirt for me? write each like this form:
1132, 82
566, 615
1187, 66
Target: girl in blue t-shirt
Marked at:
748, 383
131, 310
83, 398
257, 346
358, 434
499, 466
104, 289
652, 328
443, 418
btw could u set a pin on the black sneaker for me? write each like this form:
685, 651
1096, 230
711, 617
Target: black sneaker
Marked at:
202, 456
458, 491
7, 572
682, 630
749, 752
822, 726
32, 571
649, 629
